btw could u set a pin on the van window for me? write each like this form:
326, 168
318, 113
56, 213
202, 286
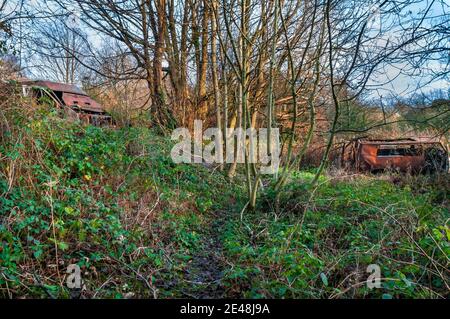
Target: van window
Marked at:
392, 150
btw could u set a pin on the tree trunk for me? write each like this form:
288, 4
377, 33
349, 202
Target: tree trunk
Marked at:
216, 79
160, 112
201, 95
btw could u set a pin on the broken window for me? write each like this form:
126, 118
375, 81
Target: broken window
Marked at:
392, 150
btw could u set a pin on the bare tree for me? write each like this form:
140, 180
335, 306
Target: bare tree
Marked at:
140, 26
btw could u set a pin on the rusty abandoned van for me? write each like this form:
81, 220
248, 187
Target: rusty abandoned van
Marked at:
426, 155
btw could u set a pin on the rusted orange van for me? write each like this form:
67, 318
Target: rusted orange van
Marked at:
410, 154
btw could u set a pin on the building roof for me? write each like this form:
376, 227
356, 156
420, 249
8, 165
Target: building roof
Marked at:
72, 95
54, 86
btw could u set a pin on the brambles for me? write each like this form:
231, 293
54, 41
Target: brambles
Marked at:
129, 219
347, 226
137, 225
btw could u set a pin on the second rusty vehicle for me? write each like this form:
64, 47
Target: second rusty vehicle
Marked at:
75, 102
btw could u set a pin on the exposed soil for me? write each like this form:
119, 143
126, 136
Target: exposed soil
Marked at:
205, 272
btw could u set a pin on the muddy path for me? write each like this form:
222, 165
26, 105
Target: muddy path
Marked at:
205, 272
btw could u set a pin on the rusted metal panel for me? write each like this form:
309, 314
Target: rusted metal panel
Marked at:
82, 101
369, 155
412, 155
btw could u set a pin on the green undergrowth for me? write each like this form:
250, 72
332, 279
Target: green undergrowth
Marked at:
112, 202
312, 243
108, 200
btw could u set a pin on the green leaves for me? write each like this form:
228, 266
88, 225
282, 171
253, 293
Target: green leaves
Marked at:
324, 279
69, 211
104, 191
63, 246
348, 225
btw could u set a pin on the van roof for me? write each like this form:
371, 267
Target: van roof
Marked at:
415, 140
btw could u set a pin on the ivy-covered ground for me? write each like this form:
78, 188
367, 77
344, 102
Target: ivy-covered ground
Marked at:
139, 226
318, 243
